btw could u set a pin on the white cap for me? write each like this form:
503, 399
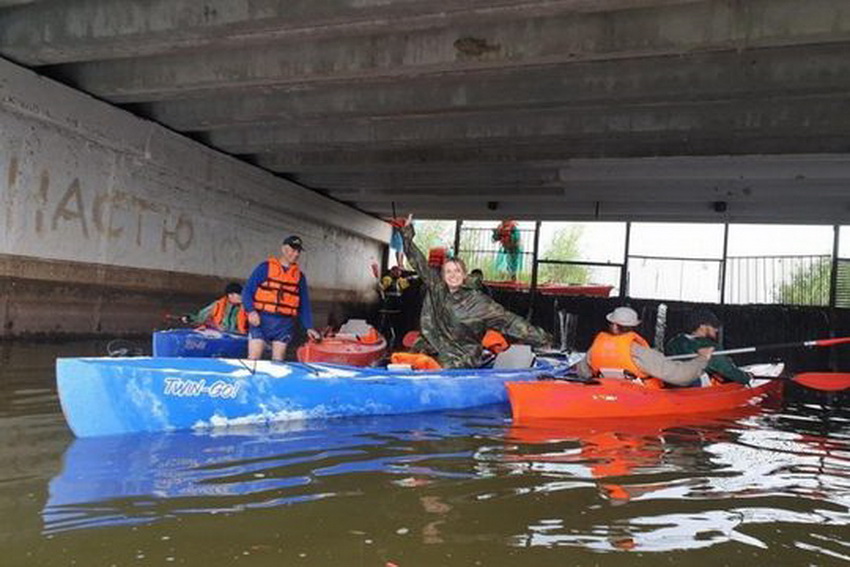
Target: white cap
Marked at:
624, 316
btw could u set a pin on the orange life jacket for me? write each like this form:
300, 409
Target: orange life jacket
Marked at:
279, 293
417, 361
217, 316
371, 337
494, 341
614, 351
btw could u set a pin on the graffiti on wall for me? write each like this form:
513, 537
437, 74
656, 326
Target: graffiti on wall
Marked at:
68, 208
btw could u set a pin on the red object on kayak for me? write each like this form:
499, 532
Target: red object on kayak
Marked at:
409, 338
340, 350
553, 289
612, 397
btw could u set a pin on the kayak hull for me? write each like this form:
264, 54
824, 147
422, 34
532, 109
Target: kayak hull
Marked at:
613, 398
194, 343
108, 396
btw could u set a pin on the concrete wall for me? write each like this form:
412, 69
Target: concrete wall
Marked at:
109, 220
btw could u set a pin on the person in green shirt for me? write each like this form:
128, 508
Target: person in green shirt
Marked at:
223, 314
703, 328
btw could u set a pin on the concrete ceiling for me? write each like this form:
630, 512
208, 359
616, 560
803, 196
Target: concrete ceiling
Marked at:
551, 109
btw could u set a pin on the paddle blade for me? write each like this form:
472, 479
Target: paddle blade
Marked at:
829, 342
825, 381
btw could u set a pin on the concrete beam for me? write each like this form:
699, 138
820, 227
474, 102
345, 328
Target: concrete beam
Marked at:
793, 212
471, 177
86, 30
712, 25
764, 191
580, 126
820, 69
721, 167
289, 160
9, 3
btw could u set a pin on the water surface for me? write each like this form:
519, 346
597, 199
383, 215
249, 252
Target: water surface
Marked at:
460, 488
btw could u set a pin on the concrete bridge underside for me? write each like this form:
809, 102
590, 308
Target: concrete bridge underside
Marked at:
679, 110
639, 109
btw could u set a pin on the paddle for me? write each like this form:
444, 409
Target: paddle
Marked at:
826, 381
775, 346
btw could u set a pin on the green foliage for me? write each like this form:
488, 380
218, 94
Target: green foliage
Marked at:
564, 246
434, 233
808, 285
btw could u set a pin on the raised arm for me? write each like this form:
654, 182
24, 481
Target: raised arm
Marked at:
417, 259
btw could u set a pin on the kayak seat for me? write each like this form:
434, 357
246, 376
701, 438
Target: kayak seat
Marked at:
356, 327
515, 357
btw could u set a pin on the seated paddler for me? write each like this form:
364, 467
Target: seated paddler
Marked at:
223, 314
703, 331
455, 316
620, 349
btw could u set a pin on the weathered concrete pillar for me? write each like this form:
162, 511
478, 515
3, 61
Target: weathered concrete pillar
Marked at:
109, 221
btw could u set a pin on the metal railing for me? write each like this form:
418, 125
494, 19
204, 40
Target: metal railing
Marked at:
791, 280
478, 250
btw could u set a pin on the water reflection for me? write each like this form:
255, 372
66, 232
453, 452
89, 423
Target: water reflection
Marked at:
471, 480
129, 479
730, 473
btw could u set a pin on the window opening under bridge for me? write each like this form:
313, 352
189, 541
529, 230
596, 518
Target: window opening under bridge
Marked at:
712, 263
581, 258
676, 261
787, 264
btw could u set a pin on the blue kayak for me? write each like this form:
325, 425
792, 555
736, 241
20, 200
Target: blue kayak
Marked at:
203, 343
108, 396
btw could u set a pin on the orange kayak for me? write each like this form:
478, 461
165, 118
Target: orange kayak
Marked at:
554, 399
341, 350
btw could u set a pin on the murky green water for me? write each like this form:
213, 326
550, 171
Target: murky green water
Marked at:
461, 488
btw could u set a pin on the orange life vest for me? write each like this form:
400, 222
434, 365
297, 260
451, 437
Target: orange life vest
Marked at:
371, 337
279, 293
494, 341
417, 361
614, 351
217, 316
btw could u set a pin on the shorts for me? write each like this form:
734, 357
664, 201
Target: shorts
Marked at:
276, 328
396, 241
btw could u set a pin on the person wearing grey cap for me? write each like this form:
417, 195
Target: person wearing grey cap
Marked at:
703, 328
275, 295
623, 350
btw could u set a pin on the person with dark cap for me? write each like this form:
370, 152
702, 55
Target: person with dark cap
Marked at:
223, 314
703, 328
275, 296
623, 351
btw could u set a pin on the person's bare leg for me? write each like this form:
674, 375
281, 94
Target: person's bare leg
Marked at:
256, 348
278, 351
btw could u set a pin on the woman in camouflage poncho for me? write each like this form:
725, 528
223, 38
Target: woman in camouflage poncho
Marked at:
456, 316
